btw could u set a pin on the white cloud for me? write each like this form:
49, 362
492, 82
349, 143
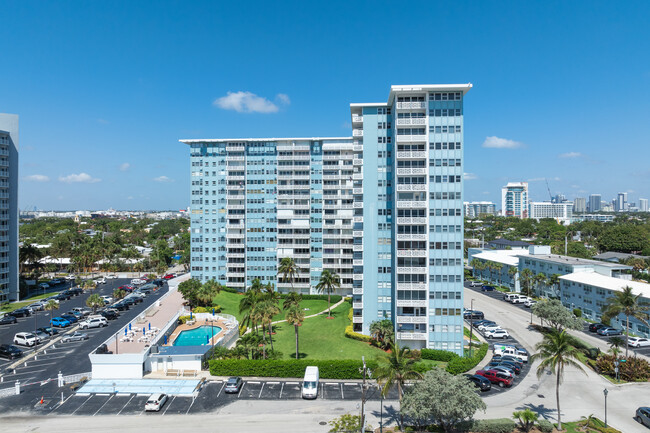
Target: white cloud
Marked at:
570, 155
247, 102
103, 121
79, 178
501, 143
469, 176
125, 166
283, 98
162, 179
37, 178
130, 197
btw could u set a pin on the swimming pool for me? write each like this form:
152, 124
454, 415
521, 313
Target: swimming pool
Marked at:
197, 336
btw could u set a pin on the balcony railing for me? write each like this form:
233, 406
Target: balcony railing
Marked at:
410, 105
411, 187
411, 138
412, 121
357, 132
411, 336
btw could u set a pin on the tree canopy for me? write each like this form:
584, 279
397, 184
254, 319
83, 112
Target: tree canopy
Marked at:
557, 315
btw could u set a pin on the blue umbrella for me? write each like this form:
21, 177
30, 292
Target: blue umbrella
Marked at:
144, 330
150, 326
213, 311
165, 339
129, 326
190, 315
125, 332
207, 340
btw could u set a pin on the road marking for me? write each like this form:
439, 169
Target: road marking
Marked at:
281, 389
222, 387
191, 404
262, 389
342, 397
241, 389
292, 383
351, 384
331, 383
126, 404
109, 399
169, 405
86, 401
253, 382
273, 383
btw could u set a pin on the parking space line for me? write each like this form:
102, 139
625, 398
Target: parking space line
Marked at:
331, 383
222, 387
273, 383
126, 404
191, 404
109, 399
253, 382
262, 389
89, 397
281, 389
342, 397
241, 389
169, 405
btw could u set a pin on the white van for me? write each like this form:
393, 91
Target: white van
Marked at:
310, 383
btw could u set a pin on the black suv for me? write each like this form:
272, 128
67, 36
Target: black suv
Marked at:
479, 381
10, 351
121, 306
20, 312
594, 327
76, 290
473, 315
109, 315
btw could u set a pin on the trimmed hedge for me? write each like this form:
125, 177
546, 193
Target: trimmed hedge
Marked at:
499, 425
334, 299
294, 368
461, 365
217, 309
545, 426
438, 355
349, 331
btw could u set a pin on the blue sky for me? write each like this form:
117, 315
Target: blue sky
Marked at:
106, 89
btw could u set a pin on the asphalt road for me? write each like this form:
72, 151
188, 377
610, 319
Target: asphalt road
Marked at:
67, 358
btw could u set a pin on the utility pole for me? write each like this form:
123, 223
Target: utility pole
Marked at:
366, 372
471, 326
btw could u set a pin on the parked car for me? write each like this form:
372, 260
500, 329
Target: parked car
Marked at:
479, 381
41, 335
138, 281
76, 336
529, 303
9, 351
511, 365
111, 276
121, 306
100, 280
497, 333
128, 301
168, 276
478, 323
109, 314
60, 322
44, 286
475, 283
159, 282
70, 318
70, 277
48, 330
84, 311
594, 327
473, 315
127, 288
638, 342
26, 339
155, 402
505, 370
496, 377
76, 290
608, 330
76, 314
94, 322
520, 299
107, 299
490, 327
20, 312
643, 416
508, 358
487, 288
8, 319
62, 296
36, 306
233, 385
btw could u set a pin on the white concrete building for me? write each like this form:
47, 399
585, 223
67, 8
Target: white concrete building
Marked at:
9, 290
561, 212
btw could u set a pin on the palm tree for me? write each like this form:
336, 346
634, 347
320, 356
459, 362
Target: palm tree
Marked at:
625, 302
94, 301
51, 306
329, 282
498, 267
119, 294
292, 299
556, 352
289, 270
295, 316
29, 255
540, 280
248, 303
554, 281
476, 265
395, 368
207, 292
512, 273
270, 308
526, 276
615, 344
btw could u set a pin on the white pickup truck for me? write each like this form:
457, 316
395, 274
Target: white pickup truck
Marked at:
503, 350
521, 299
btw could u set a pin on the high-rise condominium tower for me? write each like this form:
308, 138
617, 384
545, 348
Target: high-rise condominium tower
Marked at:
382, 208
514, 199
8, 207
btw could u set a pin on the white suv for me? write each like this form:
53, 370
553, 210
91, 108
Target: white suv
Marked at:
26, 339
93, 322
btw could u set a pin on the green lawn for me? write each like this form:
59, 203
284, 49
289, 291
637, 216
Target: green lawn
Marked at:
15, 305
322, 338
229, 303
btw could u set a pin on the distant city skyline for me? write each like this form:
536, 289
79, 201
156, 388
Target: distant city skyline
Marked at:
103, 108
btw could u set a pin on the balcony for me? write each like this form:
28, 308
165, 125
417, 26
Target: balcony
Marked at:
235, 158
358, 205
357, 319
235, 148
358, 219
411, 270
412, 121
357, 233
411, 187
406, 220
358, 277
415, 154
404, 171
412, 286
403, 303
357, 247
235, 226
411, 336
357, 191
358, 147
357, 132
411, 319
357, 162
236, 275
405, 204
234, 177
412, 237
357, 119
357, 291
411, 105
235, 235
357, 305
411, 253
357, 176
235, 206
235, 255
4, 163
411, 138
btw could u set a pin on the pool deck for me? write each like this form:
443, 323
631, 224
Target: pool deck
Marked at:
197, 324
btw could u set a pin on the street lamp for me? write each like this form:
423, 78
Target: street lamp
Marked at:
605, 392
471, 325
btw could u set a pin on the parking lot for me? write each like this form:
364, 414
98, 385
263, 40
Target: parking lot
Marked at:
499, 295
67, 358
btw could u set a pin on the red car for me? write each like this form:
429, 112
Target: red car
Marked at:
126, 288
168, 277
496, 377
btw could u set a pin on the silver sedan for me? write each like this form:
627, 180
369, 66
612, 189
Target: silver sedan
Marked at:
76, 336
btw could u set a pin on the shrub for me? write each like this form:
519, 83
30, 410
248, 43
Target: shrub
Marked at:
499, 425
577, 312
632, 370
183, 319
461, 365
438, 355
217, 309
545, 426
349, 332
329, 369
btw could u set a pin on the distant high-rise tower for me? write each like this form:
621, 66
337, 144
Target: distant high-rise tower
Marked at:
580, 205
514, 199
643, 205
9, 207
620, 204
594, 203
